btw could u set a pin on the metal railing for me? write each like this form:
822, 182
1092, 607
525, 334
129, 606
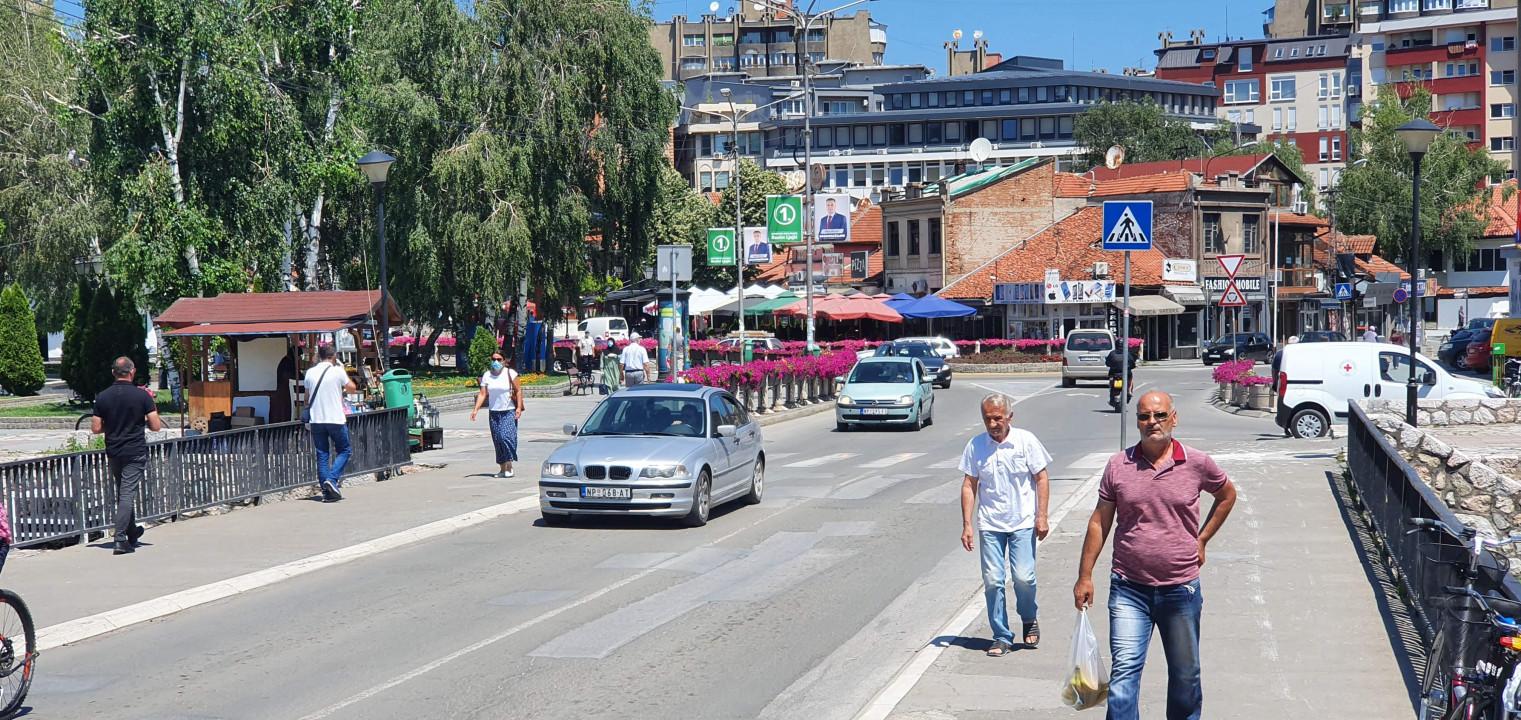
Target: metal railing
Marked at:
67, 496
1391, 492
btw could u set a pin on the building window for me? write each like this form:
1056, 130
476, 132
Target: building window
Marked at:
1479, 260
932, 133
1336, 85
1404, 6
841, 177
878, 135
1324, 178
1460, 69
1022, 94
815, 35
916, 134
721, 180
1336, 117
1502, 44
895, 101
1010, 129
1291, 121
861, 136
858, 175
705, 181
934, 236
1214, 240
1322, 117
1048, 128
1501, 143
752, 37
1250, 244
969, 97
913, 237
1027, 129
987, 97
896, 135
1336, 148
693, 40
915, 100
1325, 149
1502, 110
1241, 91
1325, 86
723, 62
694, 63
723, 40
1244, 59
1004, 97
1502, 77
953, 132
895, 177
1277, 118
893, 249
1281, 88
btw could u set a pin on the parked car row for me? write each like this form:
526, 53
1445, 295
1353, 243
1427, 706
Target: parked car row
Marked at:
894, 386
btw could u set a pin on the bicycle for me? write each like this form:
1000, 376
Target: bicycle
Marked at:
1462, 690
83, 421
16, 664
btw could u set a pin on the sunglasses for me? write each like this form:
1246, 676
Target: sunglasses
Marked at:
1148, 417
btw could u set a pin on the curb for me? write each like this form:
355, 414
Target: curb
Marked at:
794, 413
1007, 368
1232, 409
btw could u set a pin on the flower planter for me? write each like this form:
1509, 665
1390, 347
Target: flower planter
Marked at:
1260, 397
1225, 393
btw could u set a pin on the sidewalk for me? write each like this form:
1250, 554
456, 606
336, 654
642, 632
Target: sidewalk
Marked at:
1292, 626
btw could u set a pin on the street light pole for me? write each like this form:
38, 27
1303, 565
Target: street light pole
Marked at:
376, 166
1417, 136
739, 240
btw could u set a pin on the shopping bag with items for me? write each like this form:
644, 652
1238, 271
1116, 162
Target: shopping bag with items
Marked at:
1087, 682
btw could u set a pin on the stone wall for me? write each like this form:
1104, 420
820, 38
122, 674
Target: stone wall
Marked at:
1443, 413
1482, 491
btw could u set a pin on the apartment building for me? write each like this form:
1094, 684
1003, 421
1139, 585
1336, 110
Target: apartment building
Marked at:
763, 43
703, 136
1302, 18
1024, 106
1462, 51
1296, 90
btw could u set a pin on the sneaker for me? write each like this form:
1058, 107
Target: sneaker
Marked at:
134, 535
335, 495
506, 473
123, 548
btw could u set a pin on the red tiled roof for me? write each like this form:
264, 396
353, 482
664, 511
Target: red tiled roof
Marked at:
1501, 213
259, 328
1325, 246
1299, 219
1294, 291
1070, 245
1075, 186
347, 306
1475, 292
1375, 264
1216, 166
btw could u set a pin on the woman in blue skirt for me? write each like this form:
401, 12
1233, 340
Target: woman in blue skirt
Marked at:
501, 392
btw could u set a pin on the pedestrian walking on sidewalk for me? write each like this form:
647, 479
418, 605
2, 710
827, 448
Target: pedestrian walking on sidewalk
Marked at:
1149, 496
122, 411
503, 394
611, 380
1004, 482
328, 422
634, 357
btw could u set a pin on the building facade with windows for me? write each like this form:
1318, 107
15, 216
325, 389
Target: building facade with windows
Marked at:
763, 43
1025, 107
1296, 90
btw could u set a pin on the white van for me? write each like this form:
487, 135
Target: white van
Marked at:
594, 327
1316, 381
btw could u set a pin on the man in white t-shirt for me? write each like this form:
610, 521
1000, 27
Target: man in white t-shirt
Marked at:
633, 359
1004, 482
326, 382
1369, 335
586, 347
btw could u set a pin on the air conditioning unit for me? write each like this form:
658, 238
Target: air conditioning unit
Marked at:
834, 153
882, 151
1301, 207
1037, 144
918, 150
1100, 270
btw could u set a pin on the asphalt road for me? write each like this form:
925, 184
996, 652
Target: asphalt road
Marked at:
802, 606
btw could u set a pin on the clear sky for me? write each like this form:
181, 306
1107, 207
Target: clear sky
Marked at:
1086, 34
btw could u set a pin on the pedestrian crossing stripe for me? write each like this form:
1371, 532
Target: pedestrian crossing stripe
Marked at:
891, 460
820, 460
950, 464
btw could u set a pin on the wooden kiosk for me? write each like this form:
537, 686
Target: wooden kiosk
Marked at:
244, 354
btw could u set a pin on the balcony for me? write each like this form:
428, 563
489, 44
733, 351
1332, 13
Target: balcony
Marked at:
1336, 13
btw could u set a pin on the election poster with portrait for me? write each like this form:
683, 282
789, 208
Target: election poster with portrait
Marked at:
756, 244
831, 214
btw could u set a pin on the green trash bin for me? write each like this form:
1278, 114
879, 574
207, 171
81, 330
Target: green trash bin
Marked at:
1497, 363
398, 392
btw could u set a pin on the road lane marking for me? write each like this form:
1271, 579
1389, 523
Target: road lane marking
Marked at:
891, 460
84, 628
515, 629
821, 460
869, 487
1091, 461
913, 671
944, 492
950, 464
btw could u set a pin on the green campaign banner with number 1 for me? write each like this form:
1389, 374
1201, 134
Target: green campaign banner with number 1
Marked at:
720, 246
784, 219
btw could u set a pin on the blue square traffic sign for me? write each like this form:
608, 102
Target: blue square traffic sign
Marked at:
1343, 291
1127, 225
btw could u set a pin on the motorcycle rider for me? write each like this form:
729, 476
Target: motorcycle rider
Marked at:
1116, 362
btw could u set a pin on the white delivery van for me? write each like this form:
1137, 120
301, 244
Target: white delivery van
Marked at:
1316, 381
594, 327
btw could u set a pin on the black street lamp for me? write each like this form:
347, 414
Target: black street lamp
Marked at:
1417, 136
376, 165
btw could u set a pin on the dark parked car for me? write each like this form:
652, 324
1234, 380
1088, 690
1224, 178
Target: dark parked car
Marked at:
1479, 349
1454, 351
1322, 336
939, 370
1252, 345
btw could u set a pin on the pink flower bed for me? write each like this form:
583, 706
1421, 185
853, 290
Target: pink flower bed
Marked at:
752, 374
401, 340
1234, 371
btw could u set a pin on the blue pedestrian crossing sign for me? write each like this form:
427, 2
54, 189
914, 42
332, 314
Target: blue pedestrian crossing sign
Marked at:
1127, 225
1343, 291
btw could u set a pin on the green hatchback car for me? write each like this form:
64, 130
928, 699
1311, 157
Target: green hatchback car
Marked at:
886, 391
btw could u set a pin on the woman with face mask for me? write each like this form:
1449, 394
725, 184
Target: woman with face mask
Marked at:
501, 392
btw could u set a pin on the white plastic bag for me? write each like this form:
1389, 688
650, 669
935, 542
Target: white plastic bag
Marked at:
1087, 683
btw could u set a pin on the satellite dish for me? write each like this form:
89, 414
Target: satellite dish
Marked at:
713, 7
956, 35
1114, 157
980, 149
794, 180
976, 34
819, 175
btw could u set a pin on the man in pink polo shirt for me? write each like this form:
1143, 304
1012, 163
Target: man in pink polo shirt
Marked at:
1151, 492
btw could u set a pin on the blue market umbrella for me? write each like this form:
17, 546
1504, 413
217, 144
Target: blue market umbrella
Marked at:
931, 307
899, 300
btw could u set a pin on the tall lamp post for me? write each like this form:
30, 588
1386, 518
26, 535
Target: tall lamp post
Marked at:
376, 165
1417, 136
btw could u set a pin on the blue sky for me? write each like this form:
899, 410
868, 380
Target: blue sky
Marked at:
1110, 34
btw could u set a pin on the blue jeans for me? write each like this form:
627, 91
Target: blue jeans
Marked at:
338, 435
999, 550
1134, 609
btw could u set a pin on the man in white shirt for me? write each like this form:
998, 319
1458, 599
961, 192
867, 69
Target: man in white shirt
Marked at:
586, 347
1369, 335
326, 382
1004, 482
633, 359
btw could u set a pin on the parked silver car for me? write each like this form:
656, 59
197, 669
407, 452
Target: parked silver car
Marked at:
668, 450
1083, 355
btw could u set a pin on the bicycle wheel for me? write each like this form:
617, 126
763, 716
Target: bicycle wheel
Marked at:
1434, 695
18, 652
83, 420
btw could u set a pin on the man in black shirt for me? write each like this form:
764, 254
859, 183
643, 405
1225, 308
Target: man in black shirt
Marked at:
121, 412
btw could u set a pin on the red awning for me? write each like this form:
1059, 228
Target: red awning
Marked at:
260, 328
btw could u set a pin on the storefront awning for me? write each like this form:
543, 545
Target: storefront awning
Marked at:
1150, 305
260, 328
1185, 294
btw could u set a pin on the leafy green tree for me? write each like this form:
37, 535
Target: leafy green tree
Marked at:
74, 329
20, 363
1374, 197
1147, 133
683, 215
482, 344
